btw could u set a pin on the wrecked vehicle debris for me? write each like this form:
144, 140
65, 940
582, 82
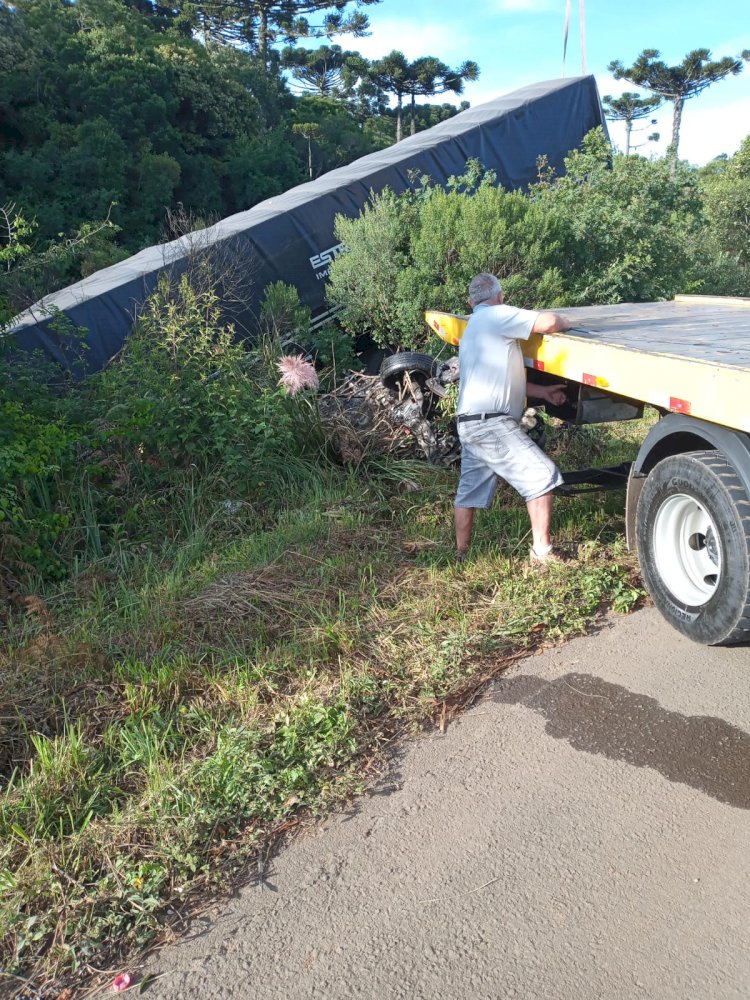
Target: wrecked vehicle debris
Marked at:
400, 411
362, 416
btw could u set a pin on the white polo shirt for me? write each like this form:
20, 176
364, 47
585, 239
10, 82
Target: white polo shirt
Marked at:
493, 379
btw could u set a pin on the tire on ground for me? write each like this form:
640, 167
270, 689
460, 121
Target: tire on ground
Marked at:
693, 542
420, 367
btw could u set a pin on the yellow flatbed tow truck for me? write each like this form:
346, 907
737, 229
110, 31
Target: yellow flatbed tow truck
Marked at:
688, 491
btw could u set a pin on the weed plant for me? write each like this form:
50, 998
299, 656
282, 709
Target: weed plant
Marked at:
186, 426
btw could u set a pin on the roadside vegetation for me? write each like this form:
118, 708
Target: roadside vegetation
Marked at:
212, 627
610, 229
175, 705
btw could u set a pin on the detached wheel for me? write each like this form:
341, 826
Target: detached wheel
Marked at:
418, 366
693, 541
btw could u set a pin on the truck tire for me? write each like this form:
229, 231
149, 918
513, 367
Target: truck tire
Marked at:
693, 542
419, 366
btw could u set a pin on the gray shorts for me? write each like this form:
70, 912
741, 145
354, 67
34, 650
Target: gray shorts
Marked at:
499, 448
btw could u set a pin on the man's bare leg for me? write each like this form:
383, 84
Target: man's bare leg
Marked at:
540, 515
464, 521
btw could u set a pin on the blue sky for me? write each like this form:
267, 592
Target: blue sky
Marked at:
516, 42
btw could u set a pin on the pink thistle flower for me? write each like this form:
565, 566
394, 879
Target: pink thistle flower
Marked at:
296, 374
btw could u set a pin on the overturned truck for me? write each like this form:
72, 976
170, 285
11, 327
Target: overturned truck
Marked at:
291, 237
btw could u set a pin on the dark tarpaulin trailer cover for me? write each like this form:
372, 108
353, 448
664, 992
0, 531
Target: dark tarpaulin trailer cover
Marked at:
291, 237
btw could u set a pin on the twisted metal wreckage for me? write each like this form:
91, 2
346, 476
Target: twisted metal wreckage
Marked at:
394, 412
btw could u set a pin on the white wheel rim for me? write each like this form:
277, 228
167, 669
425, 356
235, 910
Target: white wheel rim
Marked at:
686, 550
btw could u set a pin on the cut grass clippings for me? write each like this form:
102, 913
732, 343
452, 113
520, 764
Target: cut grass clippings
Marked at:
157, 734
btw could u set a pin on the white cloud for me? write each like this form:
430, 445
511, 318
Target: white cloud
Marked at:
708, 132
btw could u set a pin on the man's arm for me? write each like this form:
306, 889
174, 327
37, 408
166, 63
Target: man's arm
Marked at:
551, 322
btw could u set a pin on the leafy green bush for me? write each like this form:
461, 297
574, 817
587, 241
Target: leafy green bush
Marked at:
625, 225
285, 328
611, 229
33, 453
334, 352
727, 204
39, 432
362, 280
185, 414
184, 393
419, 251
282, 315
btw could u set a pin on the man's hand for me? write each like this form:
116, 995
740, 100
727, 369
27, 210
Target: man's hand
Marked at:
551, 322
555, 395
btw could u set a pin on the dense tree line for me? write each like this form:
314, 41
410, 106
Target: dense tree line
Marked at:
118, 116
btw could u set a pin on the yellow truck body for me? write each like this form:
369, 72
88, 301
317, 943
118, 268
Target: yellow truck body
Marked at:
691, 355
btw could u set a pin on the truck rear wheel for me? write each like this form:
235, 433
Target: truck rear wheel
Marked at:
693, 541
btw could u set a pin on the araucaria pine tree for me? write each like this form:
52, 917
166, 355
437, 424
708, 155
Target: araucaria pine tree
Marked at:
677, 84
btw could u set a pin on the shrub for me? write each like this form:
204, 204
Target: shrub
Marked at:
362, 280
612, 229
625, 225
34, 452
39, 432
723, 255
184, 414
185, 393
282, 315
418, 251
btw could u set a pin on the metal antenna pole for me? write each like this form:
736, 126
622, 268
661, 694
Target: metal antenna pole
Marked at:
582, 10
565, 33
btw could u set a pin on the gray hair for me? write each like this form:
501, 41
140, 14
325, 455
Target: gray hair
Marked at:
482, 287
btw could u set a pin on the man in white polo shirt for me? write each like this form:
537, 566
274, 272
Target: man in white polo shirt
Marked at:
491, 400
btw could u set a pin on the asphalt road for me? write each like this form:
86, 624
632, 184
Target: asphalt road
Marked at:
581, 834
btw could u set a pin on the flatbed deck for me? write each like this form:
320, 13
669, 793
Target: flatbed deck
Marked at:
691, 355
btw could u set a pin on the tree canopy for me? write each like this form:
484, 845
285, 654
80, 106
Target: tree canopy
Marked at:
101, 110
429, 76
727, 203
679, 83
327, 71
118, 117
261, 24
423, 77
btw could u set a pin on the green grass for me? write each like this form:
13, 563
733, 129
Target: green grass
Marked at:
165, 713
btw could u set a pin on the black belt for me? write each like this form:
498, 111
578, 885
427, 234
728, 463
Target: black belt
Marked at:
463, 417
